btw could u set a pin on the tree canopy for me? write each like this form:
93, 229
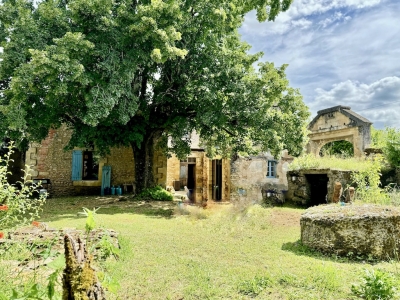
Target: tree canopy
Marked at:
388, 140
131, 72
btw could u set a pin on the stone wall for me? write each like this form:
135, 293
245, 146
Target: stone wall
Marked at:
203, 191
49, 160
248, 177
299, 187
173, 167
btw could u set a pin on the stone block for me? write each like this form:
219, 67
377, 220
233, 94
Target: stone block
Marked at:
364, 230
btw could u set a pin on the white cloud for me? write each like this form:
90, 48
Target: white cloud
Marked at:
339, 52
302, 23
378, 101
299, 11
338, 16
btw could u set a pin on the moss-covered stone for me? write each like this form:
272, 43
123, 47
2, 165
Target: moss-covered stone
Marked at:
364, 230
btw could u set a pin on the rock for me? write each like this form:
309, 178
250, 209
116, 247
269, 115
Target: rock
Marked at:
364, 230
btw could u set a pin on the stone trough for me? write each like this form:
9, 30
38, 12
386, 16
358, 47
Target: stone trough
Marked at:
364, 230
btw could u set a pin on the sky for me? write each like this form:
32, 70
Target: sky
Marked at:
339, 52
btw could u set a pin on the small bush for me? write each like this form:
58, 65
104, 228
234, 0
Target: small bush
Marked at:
156, 193
375, 285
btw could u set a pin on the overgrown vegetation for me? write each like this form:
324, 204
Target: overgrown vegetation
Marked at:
16, 204
156, 193
343, 148
388, 140
310, 161
376, 285
365, 174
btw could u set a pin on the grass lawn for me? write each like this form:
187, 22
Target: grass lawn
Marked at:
219, 253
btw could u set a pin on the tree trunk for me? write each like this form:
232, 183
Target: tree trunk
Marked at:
79, 278
144, 162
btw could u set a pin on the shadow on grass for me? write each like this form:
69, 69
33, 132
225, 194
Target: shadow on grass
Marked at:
70, 207
299, 249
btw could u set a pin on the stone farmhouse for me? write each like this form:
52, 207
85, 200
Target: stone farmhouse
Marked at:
81, 171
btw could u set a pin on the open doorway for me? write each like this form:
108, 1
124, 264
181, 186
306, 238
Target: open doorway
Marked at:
187, 176
318, 185
217, 179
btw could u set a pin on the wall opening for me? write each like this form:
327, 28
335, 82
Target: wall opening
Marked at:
338, 148
217, 179
318, 185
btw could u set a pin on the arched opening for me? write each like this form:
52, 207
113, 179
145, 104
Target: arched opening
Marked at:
338, 148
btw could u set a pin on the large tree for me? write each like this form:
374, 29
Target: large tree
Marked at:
136, 72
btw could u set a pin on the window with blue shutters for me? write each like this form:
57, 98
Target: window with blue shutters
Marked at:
85, 165
76, 165
271, 169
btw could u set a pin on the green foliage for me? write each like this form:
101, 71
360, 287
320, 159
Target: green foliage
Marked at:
90, 222
106, 248
156, 193
344, 149
365, 174
310, 161
378, 138
388, 140
367, 182
17, 207
119, 73
392, 146
254, 286
375, 285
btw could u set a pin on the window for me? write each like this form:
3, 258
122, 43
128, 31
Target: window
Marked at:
85, 165
271, 169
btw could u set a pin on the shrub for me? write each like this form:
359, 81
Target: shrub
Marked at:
16, 206
375, 285
156, 193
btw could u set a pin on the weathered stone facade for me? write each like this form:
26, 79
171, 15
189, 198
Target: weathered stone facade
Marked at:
367, 230
303, 186
203, 176
49, 160
249, 177
336, 124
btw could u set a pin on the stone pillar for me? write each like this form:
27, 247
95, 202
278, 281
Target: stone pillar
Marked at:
350, 195
337, 192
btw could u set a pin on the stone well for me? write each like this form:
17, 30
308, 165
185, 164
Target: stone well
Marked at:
363, 230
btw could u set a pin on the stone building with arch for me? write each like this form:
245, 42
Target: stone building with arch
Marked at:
339, 123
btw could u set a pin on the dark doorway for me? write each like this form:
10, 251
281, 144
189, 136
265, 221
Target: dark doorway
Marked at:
16, 167
318, 184
191, 181
217, 179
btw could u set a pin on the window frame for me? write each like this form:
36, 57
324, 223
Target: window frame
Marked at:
271, 168
77, 170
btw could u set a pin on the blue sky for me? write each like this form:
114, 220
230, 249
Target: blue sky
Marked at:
343, 52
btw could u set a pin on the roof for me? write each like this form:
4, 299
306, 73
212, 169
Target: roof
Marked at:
346, 110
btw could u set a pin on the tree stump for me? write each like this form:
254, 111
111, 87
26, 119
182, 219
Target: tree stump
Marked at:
79, 278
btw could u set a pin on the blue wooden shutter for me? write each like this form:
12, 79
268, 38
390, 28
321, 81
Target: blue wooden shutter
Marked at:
76, 165
105, 178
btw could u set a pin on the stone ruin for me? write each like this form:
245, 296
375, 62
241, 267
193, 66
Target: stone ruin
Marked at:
367, 230
316, 186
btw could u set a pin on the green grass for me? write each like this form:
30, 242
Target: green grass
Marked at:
310, 161
220, 253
